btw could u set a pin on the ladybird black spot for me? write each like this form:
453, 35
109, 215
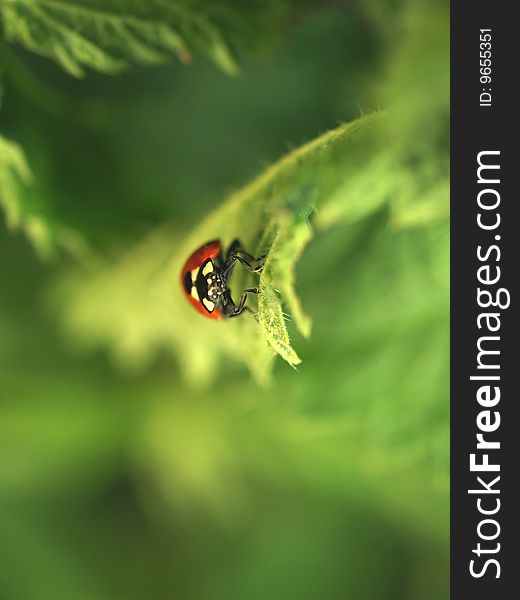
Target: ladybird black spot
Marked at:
187, 282
202, 286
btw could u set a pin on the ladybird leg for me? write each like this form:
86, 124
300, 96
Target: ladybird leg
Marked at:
246, 255
242, 304
235, 252
228, 265
230, 258
251, 259
227, 304
247, 264
233, 248
234, 311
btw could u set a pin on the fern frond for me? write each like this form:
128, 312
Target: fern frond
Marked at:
20, 212
108, 36
25, 212
14, 173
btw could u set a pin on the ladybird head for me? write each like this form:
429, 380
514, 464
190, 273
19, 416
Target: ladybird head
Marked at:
202, 280
216, 285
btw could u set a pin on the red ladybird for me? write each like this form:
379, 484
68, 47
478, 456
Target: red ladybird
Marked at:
205, 275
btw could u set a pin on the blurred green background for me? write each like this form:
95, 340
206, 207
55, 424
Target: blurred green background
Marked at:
124, 479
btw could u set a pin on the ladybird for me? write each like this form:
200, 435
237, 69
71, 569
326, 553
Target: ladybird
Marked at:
205, 275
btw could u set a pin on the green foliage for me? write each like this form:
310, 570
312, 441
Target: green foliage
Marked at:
14, 172
21, 211
123, 483
106, 36
418, 134
25, 211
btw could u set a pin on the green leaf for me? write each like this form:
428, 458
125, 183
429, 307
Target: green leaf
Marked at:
24, 211
289, 241
107, 36
14, 173
20, 211
271, 319
418, 87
